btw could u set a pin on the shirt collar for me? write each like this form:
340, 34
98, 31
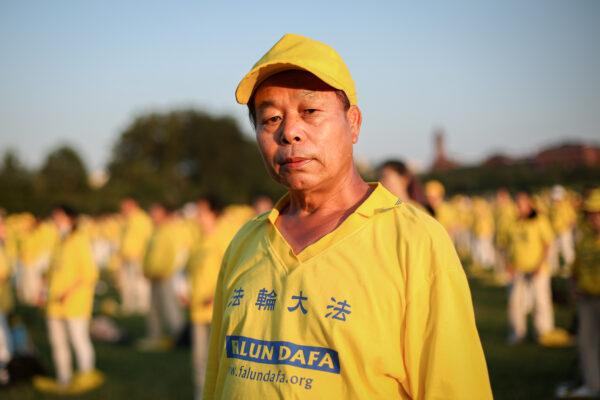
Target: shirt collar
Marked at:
379, 200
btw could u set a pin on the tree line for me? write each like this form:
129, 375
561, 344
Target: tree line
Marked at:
175, 157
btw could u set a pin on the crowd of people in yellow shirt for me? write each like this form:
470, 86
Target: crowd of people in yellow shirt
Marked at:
163, 262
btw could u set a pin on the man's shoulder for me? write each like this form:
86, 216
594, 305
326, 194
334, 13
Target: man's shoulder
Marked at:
250, 233
410, 222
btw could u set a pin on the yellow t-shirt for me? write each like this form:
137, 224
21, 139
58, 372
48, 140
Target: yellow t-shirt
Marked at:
504, 216
160, 261
528, 240
6, 300
483, 221
446, 215
377, 309
137, 231
205, 261
72, 278
563, 216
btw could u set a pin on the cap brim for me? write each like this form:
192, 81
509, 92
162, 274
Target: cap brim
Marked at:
258, 75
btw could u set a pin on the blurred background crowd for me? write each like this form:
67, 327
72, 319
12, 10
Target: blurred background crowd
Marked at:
126, 169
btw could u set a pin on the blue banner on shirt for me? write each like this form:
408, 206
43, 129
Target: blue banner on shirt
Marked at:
279, 352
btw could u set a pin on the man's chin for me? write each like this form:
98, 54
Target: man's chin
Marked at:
298, 183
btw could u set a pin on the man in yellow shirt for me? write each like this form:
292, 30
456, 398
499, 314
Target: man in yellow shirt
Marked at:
71, 282
483, 234
5, 306
218, 225
586, 274
162, 261
134, 287
341, 291
563, 218
529, 241
504, 217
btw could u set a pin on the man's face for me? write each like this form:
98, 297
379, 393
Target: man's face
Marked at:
304, 133
393, 181
523, 204
594, 220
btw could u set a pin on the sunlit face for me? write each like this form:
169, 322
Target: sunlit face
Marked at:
303, 131
61, 220
594, 220
158, 213
393, 181
523, 204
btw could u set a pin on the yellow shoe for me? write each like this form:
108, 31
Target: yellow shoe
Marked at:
46, 384
556, 338
86, 381
81, 383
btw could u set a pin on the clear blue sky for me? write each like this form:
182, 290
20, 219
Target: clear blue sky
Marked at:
497, 75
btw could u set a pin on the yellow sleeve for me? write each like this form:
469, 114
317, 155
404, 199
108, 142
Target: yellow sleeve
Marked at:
547, 233
443, 353
89, 271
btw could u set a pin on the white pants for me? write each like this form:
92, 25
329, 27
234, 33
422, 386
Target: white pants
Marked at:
29, 288
483, 251
164, 308
75, 331
5, 341
200, 343
529, 293
564, 246
135, 289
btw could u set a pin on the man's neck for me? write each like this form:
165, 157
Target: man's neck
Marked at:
343, 195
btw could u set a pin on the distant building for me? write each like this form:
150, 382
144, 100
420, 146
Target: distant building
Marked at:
569, 155
498, 160
441, 162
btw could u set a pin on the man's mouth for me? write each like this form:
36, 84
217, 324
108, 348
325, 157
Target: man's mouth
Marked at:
295, 162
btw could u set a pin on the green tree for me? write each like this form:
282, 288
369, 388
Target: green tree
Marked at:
177, 156
16, 184
63, 178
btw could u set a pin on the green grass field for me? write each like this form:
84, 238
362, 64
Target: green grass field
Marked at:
526, 371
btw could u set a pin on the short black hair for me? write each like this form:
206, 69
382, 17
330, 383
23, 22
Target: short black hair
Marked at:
214, 202
69, 210
397, 166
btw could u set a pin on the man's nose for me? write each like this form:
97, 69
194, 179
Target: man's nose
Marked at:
292, 131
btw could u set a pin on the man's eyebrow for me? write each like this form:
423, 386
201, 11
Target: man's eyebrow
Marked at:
264, 104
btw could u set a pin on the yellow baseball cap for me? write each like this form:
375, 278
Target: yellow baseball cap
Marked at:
299, 52
592, 202
435, 189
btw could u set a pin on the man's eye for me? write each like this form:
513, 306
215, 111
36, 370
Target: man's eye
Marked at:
271, 120
310, 111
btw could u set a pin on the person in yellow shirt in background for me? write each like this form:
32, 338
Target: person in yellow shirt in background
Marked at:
35, 250
164, 257
442, 210
342, 291
483, 234
218, 226
563, 218
586, 276
5, 307
71, 282
529, 243
398, 179
134, 287
505, 215
262, 203
463, 223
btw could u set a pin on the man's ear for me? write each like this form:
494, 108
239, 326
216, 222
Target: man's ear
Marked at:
354, 117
